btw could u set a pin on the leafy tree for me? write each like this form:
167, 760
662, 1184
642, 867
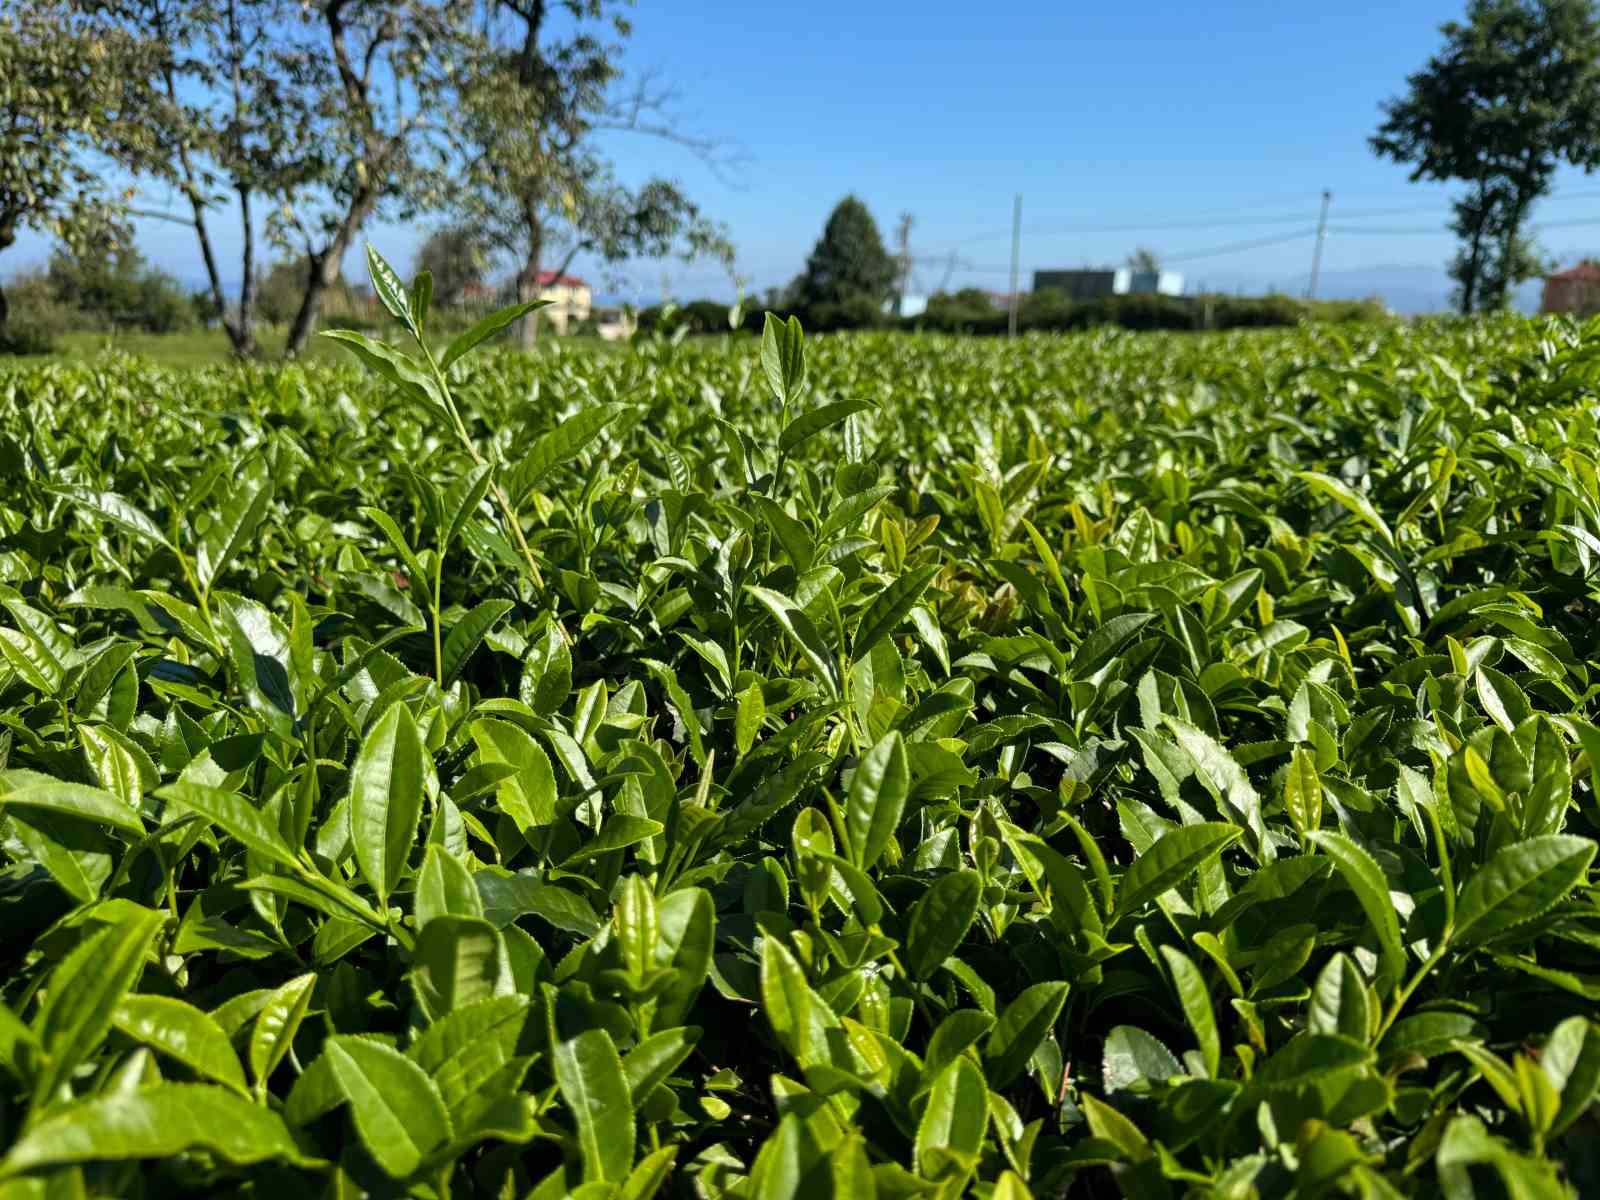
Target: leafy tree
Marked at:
1514, 93
1145, 261
537, 185
455, 257
317, 114
63, 95
230, 126
849, 274
283, 286
382, 77
109, 280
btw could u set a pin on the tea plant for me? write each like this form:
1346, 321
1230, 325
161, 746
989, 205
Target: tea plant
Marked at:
884, 766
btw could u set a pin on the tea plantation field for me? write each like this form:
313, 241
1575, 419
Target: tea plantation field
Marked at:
879, 766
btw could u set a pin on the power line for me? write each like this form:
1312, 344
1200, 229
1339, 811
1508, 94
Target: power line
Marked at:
1235, 221
1239, 247
1416, 230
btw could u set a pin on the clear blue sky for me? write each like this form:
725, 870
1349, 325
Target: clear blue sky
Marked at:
1145, 114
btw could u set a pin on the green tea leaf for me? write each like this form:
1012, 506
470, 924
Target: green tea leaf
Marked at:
458, 960
386, 786
159, 1122
1022, 1026
592, 1083
1364, 877
813, 421
1175, 856
487, 328
952, 1125
83, 995
876, 799
397, 1110
939, 920
889, 608
1521, 882
182, 1032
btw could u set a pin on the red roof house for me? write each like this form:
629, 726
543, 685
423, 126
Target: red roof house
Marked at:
1575, 290
551, 279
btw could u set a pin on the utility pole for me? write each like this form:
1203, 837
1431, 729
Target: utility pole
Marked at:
1016, 250
903, 236
1316, 252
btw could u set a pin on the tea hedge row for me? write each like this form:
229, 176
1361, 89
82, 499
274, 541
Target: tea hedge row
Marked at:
884, 766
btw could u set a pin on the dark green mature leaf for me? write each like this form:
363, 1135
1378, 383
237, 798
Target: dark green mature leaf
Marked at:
1366, 879
876, 799
1339, 1002
31, 791
386, 786
800, 1018
467, 634
1195, 997
649, 1063
793, 620
506, 897
1225, 779
487, 328
1134, 1058
1521, 882
813, 421
230, 531
398, 368
890, 607
1310, 1057
1175, 856
561, 445
272, 1036
465, 1052
184, 1033
952, 1125
1022, 1026
117, 510
458, 960
939, 920
1343, 494
234, 814
445, 887
685, 941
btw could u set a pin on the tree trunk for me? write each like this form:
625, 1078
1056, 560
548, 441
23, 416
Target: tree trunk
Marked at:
1469, 278
245, 341
324, 270
528, 279
8, 237
1474, 264
325, 267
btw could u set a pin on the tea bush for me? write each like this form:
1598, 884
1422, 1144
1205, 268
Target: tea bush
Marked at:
1141, 765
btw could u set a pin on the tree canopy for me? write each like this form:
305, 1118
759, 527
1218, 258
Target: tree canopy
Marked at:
1514, 92
537, 185
848, 271
63, 96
